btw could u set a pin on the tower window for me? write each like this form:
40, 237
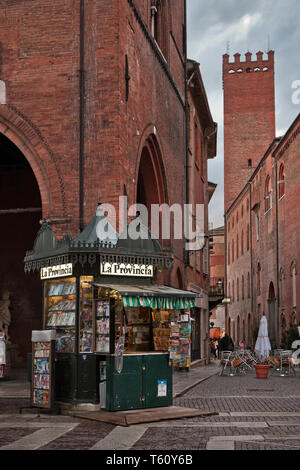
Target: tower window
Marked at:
250, 163
281, 182
268, 194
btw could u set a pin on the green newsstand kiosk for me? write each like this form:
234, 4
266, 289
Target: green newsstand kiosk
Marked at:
112, 319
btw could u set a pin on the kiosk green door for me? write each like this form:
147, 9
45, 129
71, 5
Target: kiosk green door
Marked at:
124, 390
145, 382
157, 380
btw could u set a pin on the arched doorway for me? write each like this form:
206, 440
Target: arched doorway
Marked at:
151, 181
272, 315
20, 213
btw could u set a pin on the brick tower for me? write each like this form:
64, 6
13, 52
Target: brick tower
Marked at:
249, 117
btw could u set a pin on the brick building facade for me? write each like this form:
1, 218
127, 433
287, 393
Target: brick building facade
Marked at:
93, 103
202, 143
261, 223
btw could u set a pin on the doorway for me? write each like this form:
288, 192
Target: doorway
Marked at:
20, 214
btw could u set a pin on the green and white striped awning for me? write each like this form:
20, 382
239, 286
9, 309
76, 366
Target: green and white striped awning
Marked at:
167, 303
154, 296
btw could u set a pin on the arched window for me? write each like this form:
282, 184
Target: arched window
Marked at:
237, 289
159, 27
281, 283
248, 285
243, 287
258, 280
248, 237
228, 254
281, 182
232, 251
294, 283
238, 327
229, 290
242, 243
268, 196
237, 247
232, 291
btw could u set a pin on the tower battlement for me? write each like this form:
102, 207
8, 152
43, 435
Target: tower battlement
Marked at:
248, 65
249, 117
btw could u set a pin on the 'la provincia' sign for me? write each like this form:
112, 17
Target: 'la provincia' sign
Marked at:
121, 269
52, 272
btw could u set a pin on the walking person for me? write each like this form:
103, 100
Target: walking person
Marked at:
226, 343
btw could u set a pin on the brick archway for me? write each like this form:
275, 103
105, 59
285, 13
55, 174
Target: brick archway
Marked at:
19, 130
150, 166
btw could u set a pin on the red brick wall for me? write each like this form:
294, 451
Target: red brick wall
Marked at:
238, 267
40, 64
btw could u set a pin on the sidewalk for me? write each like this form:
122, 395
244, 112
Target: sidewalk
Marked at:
19, 387
184, 381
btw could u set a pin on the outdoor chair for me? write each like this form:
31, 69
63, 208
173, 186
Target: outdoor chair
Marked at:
246, 358
283, 363
230, 363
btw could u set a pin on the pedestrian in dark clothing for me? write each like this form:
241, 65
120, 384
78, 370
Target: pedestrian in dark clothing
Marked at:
226, 343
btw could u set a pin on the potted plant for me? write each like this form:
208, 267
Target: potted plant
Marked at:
262, 369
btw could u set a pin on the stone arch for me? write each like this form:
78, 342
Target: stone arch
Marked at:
19, 130
150, 146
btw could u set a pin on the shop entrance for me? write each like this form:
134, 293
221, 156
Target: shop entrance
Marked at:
20, 213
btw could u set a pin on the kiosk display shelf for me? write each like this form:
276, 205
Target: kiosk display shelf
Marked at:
180, 341
42, 394
60, 311
102, 325
86, 322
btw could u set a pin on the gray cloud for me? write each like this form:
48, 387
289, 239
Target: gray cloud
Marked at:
242, 25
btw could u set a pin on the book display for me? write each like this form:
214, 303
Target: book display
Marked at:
41, 374
86, 322
60, 312
180, 340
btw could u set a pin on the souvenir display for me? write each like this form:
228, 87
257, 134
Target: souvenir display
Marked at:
41, 373
65, 340
138, 329
60, 312
102, 325
161, 329
180, 340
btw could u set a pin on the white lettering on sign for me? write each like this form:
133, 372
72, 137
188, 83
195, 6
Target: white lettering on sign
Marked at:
121, 269
57, 271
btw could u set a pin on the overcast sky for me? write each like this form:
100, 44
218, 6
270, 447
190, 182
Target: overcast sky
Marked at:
242, 25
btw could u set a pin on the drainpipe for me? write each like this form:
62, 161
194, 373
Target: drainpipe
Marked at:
277, 242
225, 273
81, 117
251, 248
186, 255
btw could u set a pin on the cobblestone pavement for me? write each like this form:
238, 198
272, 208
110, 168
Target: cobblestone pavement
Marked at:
253, 414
